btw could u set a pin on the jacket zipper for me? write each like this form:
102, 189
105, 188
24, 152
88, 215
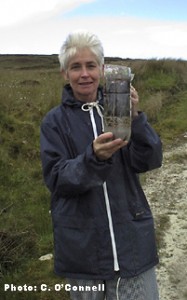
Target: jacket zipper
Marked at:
111, 228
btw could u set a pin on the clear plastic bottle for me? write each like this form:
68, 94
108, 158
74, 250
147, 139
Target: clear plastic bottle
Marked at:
117, 104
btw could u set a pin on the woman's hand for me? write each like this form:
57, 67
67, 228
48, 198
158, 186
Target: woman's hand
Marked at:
105, 145
134, 102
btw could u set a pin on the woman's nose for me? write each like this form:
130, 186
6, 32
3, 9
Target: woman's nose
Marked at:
84, 72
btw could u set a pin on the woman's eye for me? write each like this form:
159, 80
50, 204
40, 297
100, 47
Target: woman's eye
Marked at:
75, 67
92, 66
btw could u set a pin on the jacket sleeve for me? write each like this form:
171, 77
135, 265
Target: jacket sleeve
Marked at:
145, 147
63, 174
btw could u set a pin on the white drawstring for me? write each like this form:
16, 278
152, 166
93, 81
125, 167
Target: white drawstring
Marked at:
117, 288
89, 106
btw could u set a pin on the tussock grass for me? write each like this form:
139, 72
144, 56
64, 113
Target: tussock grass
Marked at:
29, 87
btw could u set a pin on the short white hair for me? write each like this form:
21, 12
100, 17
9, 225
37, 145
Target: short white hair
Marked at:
80, 40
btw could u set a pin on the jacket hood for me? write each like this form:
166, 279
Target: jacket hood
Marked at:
69, 99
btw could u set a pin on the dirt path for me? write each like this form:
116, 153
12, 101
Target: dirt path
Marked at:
166, 189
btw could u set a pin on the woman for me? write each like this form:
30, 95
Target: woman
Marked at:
103, 226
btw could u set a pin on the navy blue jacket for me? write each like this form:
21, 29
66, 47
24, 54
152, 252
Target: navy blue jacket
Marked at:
75, 177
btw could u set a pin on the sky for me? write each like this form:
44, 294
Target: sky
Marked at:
127, 28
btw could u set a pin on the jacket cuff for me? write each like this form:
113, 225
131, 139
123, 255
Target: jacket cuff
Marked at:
95, 161
141, 118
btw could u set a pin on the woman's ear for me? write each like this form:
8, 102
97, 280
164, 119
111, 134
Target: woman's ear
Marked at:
64, 74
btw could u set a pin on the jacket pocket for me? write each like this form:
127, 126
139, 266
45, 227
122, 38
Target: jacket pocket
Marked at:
76, 245
145, 250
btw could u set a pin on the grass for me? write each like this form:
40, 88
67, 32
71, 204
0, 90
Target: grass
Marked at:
29, 87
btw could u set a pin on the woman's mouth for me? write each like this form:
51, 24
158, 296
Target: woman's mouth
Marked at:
85, 83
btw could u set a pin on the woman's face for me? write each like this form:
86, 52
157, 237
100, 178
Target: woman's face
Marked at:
84, 74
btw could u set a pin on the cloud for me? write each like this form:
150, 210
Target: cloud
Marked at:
121, 36
13, 11
135, 37
16, 11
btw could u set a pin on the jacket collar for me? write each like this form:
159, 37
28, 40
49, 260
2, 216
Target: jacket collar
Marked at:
69, 99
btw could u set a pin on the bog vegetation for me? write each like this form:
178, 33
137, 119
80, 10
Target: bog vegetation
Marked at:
29, 87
